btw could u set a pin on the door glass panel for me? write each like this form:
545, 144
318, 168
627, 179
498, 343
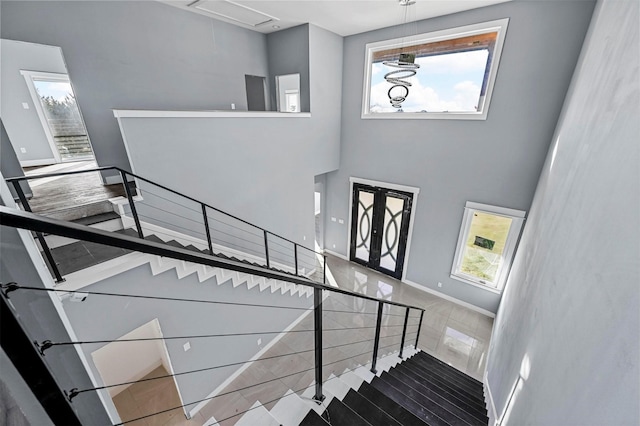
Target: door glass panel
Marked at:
63, 118
391, 232
483, 252
364, 225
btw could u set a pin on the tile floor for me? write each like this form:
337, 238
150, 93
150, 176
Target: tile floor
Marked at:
454, 334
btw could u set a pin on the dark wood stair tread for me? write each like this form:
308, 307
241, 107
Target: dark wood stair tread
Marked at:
367, 410
393, 409
440, 395
313, 419
437, 406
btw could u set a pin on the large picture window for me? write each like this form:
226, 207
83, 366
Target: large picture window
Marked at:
486, 245
455, 77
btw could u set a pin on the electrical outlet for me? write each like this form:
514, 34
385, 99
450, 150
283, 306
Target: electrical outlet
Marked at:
333, 219
23, 150
439, 284
25, 105
304, 238
233, 106
334, 246
259, 341
186, 346
341, 221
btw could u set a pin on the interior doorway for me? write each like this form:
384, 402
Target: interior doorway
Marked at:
380, 224
256, 92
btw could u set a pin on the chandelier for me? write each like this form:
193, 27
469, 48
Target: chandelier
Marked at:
406, 68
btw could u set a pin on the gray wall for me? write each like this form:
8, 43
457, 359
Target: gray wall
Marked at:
9, 164
108, 318
139, 55
288, 52
18, 405
325, 67
40, 319
23, 125
259, 169
496, 161
569, 321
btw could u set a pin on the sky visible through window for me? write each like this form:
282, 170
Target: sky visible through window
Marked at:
58, 90
444, 83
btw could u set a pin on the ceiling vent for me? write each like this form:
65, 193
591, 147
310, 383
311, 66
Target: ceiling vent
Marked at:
233, 11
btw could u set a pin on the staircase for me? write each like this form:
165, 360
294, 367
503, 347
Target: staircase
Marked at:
82, 262
419, 390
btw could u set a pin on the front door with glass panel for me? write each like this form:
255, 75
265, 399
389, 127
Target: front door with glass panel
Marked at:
380, 227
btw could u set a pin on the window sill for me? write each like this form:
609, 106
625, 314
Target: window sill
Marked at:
475, 284
424, 116
136, 113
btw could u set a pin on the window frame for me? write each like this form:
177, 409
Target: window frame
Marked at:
29, 77
517, 221
499, 25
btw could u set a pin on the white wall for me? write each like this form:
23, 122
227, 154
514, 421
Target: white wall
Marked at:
569, 322
23, 125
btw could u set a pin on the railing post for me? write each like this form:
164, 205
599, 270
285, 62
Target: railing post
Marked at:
295, 256
266, 248
419, 327
134, 213
206, 227
404, 331
39, 235
376, 342
324, 269
317, 327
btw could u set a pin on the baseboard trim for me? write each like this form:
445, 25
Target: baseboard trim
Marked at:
450, 298
333, 253
491, 406
32, 163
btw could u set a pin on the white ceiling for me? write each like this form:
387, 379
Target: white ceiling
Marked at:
343, 17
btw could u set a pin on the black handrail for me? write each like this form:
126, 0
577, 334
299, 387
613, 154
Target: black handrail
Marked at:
40, 224
101, 169
33, 222
124, 173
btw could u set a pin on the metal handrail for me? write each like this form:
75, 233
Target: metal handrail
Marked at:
36, 223
40, 225
124, 173
100, 169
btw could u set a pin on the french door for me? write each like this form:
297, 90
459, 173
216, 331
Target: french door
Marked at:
380, 228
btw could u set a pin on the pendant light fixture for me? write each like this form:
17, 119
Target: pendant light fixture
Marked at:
405, 68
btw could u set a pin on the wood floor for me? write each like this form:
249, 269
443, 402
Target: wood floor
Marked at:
69, 197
